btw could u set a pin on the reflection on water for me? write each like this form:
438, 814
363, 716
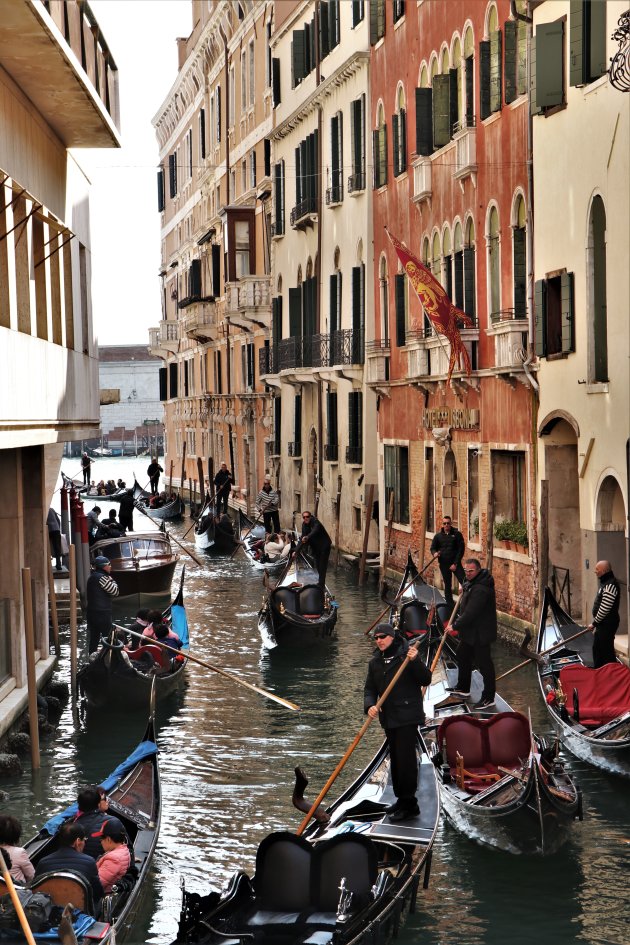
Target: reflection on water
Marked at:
227, 760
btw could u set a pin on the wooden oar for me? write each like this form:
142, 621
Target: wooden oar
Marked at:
215, 669
15, 899
241, 541
399, 595
535, 657
172, 537
355, 741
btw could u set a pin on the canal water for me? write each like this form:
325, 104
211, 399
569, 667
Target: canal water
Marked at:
227, 760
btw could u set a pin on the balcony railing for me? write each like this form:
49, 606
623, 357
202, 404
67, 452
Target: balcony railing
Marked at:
354, 455
507, 315
334, 194
267, 360
250, 296
295, 449
356, 182
341, 347
347, 347
510, 332
201, 321
331, 452
302, 212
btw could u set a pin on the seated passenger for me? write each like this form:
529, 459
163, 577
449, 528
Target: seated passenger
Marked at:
21, 868
274, 545
101, 488
159, 630
70, 855
112, 527
110, 487
139, 626
92, 819
116, 859
121, 485
225, 524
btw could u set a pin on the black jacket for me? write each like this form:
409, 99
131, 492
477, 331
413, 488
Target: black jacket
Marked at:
101, 589
318, 537
451, 546
220, 479
67, 858
93, 822
154, 470
606, 604
403, 705
476, 621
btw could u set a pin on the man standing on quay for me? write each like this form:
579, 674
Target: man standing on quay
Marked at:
448, 544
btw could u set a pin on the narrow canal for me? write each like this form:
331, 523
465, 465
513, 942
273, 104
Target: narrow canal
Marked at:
227, 760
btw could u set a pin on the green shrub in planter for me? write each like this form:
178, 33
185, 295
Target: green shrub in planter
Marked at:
511, 531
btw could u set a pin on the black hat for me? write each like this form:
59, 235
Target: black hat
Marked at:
384, 628
101, 561
114, 829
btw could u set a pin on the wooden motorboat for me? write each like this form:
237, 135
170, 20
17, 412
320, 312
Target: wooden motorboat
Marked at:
350, 881
297, 611
251, 534
588, 708
143, 564
117, 675
500, 784
133, 791
169, 510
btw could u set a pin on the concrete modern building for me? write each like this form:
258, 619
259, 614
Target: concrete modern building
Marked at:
58, 91
213, 195
449, 125
132, 413
324, 412
582, 185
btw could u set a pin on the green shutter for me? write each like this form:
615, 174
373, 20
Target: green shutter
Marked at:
377, 183
424, 121
597, 40
275, 71
395, 145
374, 37
484, 78
297, 419
441, 110
324, 44
453, 103
577, 71
470, 91
356, 13
380, 16
520, 273
510, 29
356, 298
469, 282
534, 109
297, 52
160, 189
566, 308
496, 43
382, 154
401, 326
540, 317
334, 310
549, 70
402, 134
334, 149
459, 280
295, 313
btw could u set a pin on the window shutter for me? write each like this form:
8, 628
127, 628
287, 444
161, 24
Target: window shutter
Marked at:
597, 40
202, 132
469, 281
549, 71
334, 151
297, 54
401, 327
333, 23
377, 20
160, 189
163, 384
484, 78
216, 270
566, 308
510, 29
275, 82
540, 317
424, 121
459, 280
534, 109
356, 298
218, 97
402, 142
441, 110
190, 154
194, 279
331, 418
520, 275
496, 43
276, 321
357, 13
382, 154
453, 103
577, 72
324, 45
295, 313
470, 91
448, 270
352, 420
334, 311
297, 419
172, 176
172, 380
395, 145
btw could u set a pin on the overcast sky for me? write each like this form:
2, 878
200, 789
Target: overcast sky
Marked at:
125, 223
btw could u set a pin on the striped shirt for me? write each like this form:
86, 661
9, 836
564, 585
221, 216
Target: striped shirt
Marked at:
607, 601
267, 501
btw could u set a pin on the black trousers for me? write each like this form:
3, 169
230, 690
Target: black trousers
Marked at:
154, 482
321, 560
223, 494
447, 575
99, 624
402, 750
86, 475
479, 655
55, 545
272, 518
604, 643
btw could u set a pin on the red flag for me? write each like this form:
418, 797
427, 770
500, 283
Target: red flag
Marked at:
444, 316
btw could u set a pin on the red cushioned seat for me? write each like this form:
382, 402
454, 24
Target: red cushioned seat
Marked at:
158, 654
485, 744
603, 693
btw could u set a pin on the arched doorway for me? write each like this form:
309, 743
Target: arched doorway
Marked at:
610, 523
311, 470
563, 518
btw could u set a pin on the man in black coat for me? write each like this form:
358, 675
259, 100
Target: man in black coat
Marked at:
449, 545
70, 856
125, 515
153, 472
476, 625
101, 589
400, 714
223, 483
318, 540
92, 819
605, 615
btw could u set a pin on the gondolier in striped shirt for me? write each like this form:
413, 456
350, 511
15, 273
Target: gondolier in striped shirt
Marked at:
267, 505
605, 615
101, 590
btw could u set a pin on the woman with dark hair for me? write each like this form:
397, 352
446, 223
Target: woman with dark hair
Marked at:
21, 869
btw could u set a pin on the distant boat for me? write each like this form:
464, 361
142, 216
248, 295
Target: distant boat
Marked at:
101, 451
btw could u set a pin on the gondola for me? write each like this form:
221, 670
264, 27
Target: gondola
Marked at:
170, 511
143, 564
121, 676
297, 611
252, 532
589, 708
350, 881
419, 610
500, 784
133, 791
212, 536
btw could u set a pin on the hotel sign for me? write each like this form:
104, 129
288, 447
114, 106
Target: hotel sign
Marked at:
457, 418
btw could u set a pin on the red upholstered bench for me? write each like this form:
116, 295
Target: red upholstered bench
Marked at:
160, 657
603, 693
486, 745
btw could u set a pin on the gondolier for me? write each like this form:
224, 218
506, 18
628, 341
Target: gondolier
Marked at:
127, 505
400, 715
101, 589
153, 472
223, 482
448, 544
267, 505
476, 624
86, 467
605, 615
317, 538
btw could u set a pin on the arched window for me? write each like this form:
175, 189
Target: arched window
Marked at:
519, 268
515, 59
469, 77
399, 132
597, 302
379, 148
494, 264
457, 108
469, 270
490, 71
384, 295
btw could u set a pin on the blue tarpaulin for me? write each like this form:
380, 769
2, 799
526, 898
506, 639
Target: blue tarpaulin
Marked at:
180, 624
81, 923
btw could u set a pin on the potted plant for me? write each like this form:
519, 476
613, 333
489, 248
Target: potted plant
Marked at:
513, 534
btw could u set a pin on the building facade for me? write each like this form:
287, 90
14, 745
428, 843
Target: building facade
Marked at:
580, 149
58, 90
131, 410
449, 123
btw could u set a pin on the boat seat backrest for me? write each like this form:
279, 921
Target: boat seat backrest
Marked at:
160, 657
311, 600
64, 887
286, 596
509, 739
283, 873
465, 736
413, 618
500, 740
348, 856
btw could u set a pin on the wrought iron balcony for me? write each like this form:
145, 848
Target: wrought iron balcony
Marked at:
334, 195
295, 449
356, 182
317, 351
347, 347
304, 213
331, 452
354, 455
